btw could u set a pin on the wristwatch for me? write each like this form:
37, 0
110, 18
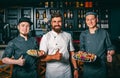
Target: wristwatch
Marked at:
76, 68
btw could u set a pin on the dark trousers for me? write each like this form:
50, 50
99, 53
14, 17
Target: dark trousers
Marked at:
21, 73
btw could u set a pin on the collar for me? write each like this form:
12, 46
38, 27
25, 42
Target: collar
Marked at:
55, 32
22, 38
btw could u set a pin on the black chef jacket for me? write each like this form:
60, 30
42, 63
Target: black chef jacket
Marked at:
18, 47
97, 43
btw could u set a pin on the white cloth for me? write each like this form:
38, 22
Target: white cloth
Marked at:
51, 42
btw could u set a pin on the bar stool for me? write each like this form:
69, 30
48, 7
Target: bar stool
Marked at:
41, 68
5, 68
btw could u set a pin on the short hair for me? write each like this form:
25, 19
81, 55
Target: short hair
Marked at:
56, 14
91, 13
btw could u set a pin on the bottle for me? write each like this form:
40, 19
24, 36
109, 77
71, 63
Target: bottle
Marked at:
51, 4
82, 14
65, 15
90, 4
71, 14
84, 26
68, 14
43, 25
77, 4
70, 25
70, 4
66, 24
39, 24
46, 4
79, 14
60, 4
106, 14
79, 24
44, 14
86, 4
81, 4
37, 15
66, 4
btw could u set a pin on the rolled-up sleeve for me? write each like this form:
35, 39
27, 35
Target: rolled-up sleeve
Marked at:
108, 43
43, 43
71, 44
9, 50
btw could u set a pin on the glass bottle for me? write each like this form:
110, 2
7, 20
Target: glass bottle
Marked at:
79, 24
37, 15
66, 24
66, 4
79, 14
70, 25
44, 14
65, 15
46, 4
71, 14
52, 4
60, 4
68, 14
77, 4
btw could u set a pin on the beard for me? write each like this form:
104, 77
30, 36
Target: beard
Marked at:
58, 30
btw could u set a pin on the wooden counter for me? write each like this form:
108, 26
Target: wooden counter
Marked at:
1, 53
2, 47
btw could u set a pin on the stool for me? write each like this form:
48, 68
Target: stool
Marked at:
41, 68
6, 69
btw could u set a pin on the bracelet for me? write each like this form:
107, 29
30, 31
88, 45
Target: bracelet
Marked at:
76, 68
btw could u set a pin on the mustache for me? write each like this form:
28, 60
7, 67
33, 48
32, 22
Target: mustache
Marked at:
57, 26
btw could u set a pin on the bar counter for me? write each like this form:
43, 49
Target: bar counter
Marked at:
3, 46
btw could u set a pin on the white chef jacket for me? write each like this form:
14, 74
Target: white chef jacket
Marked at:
50, 43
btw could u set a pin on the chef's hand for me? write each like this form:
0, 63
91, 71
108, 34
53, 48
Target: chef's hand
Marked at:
110, 52
21, 61
41, 53
57, 55
109, 55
